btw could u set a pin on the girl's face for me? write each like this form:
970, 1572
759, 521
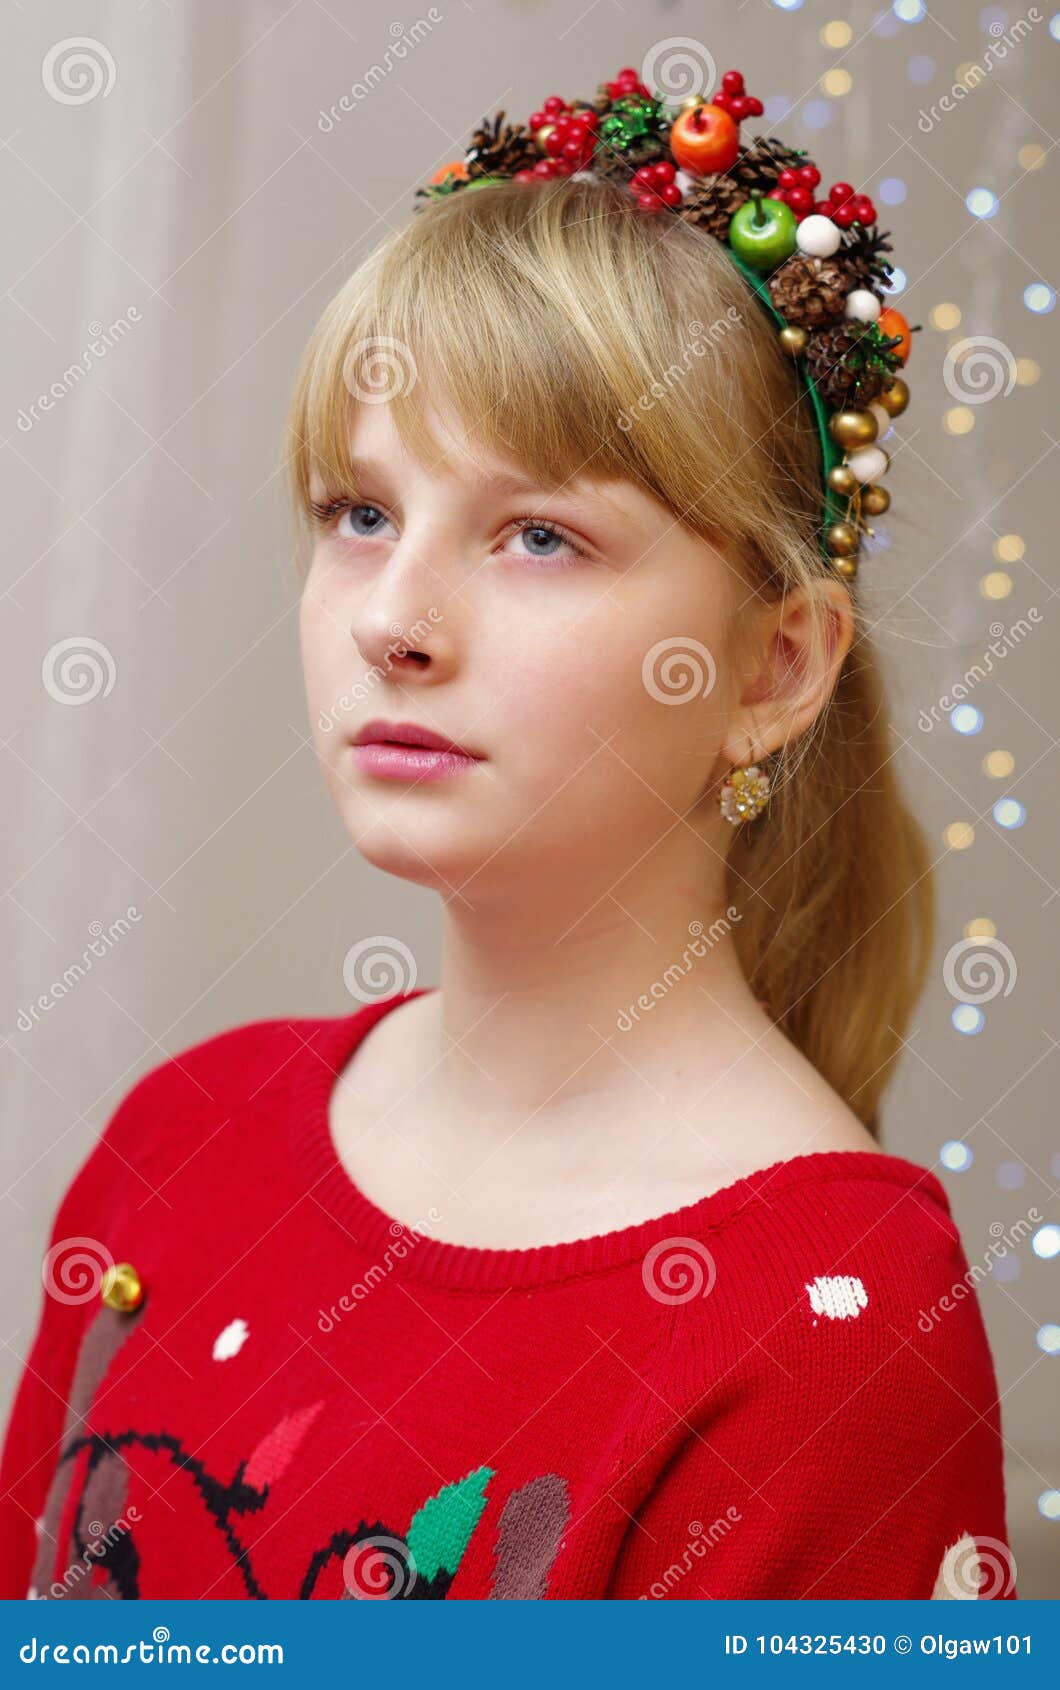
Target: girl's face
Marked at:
573, 639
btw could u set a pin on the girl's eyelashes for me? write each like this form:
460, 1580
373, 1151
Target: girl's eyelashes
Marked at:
540, 535
537, 531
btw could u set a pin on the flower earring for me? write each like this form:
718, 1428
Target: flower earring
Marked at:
744, 794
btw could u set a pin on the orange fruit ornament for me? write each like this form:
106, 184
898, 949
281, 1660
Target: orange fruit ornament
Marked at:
891, 322
704, 139
457, 168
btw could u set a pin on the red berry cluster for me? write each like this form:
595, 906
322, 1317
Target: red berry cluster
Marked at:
845, 207
795, 188
653, 186
570, 142
732, 98
627, 82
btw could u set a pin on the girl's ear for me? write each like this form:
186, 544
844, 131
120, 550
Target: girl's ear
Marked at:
795, 658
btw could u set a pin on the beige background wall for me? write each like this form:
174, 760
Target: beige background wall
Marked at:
196, 213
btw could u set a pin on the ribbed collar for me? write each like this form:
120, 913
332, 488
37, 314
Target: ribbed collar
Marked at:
314, 1071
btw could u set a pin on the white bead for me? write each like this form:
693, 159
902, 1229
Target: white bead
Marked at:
684, 180
862, 306
869, 463
817, 236
884, 420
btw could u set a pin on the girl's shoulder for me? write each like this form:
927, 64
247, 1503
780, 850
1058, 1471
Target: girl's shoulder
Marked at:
185, 1099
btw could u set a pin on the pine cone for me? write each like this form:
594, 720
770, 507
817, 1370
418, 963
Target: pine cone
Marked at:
710, 203
619, 166
809, 291
500, 149
602, 100
758, 166
845, 366
862, 256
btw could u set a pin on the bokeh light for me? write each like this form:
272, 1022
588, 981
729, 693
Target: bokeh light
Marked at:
836, 82
956, 1156
945, 316
968, 1018
921, 68
1048, 1338
1009, 813
1039, 298
998, 764
959, 836
1031, 157
836, 34
817, 114
1027, 372
996, 585
1049, 1504
958, 420
909, 11
892, 190
1046, 1242
966, 719
1011, 1175
1009, 548
981, 202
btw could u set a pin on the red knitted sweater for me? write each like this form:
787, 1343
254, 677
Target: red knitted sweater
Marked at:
758, 1395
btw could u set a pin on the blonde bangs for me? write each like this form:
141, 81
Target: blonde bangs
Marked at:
574, 336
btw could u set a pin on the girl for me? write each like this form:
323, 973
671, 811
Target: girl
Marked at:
582, 1274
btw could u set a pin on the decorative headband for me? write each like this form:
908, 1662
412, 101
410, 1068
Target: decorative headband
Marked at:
817, 265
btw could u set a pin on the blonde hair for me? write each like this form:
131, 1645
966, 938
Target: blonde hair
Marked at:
577, 336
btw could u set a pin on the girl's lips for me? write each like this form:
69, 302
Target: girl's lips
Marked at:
410, 762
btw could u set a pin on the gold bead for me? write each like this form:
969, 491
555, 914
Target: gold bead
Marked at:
895, 398
121, 1288
692, 102
841, 479
842, 539
874, 500
793, 339
541, 135
853, 428
846, 567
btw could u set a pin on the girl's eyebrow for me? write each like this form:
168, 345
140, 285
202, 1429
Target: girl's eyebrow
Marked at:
498, 483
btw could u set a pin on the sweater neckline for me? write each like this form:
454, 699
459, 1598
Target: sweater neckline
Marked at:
315, 1071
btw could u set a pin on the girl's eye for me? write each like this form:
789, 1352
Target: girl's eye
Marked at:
359, 522
547, 544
